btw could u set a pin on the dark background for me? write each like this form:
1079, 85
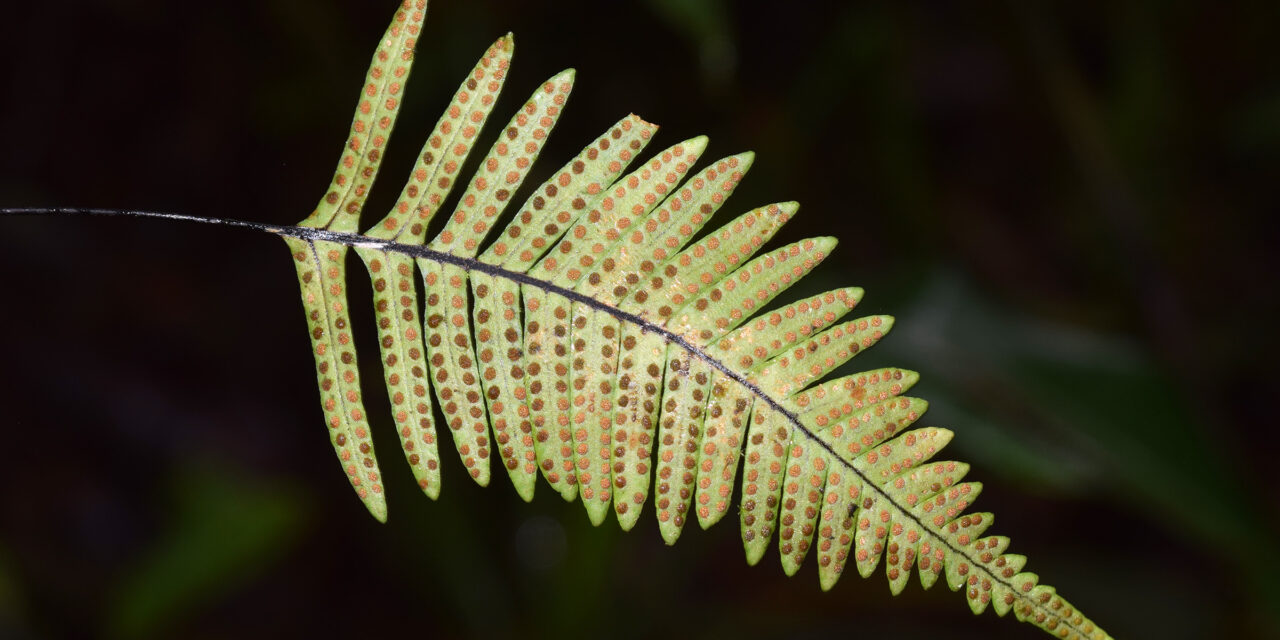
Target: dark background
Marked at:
1069, 206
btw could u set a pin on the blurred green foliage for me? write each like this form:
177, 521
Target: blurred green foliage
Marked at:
224, 533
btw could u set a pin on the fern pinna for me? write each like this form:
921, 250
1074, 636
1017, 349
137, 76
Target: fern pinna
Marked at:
607, 342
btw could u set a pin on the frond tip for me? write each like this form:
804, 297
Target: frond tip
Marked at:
593, 342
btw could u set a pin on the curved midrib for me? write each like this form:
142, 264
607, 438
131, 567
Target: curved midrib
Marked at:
311, 234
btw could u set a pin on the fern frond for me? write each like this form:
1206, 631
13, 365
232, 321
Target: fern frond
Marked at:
593, 342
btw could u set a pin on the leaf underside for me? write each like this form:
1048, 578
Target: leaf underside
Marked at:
610, 341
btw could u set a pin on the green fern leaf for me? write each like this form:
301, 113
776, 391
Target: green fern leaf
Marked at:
395, 298
593, 342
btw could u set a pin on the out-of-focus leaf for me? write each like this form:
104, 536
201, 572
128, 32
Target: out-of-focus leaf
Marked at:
223, 532
1063, 406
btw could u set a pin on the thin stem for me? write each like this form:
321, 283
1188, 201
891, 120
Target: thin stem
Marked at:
311, 234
